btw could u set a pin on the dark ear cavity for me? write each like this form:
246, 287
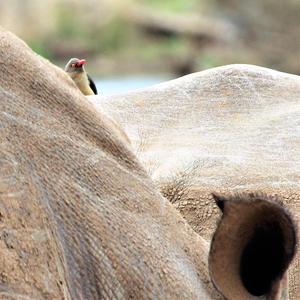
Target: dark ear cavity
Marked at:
220, 201
252, 247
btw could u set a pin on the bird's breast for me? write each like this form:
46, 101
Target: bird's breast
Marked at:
82, 82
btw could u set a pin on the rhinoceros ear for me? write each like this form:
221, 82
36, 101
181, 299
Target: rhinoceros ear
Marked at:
220, 201
252, 247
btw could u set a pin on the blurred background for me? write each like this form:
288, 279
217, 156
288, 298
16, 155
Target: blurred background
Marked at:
135, 43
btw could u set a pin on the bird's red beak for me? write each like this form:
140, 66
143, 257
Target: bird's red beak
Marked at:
81, 62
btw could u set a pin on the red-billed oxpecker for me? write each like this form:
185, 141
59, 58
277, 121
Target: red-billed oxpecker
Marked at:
77, 72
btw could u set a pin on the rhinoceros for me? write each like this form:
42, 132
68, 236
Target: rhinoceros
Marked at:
80, 218
231, 128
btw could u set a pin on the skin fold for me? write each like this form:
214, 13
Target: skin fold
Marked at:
80, 217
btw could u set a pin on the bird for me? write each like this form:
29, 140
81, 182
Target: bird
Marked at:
75, 69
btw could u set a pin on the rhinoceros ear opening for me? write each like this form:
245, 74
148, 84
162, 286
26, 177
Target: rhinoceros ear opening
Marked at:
252, 247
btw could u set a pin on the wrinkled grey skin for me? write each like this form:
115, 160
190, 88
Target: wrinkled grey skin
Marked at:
79, 216
233, 128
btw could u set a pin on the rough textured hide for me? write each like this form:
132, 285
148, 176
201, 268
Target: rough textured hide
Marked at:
79, 217
233, 128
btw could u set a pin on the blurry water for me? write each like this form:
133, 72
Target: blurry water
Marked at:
111, 86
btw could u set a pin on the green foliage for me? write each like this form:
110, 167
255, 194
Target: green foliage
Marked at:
207, 61
117, 39
173, 5
68, 25
41, 48
169, 46
113, 37
106, 39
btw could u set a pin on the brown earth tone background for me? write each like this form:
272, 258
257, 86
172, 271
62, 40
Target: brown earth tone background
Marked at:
153, 37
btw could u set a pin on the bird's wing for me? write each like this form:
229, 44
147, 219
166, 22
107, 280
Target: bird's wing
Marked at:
92, 85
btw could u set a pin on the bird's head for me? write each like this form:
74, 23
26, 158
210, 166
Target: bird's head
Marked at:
75, 65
